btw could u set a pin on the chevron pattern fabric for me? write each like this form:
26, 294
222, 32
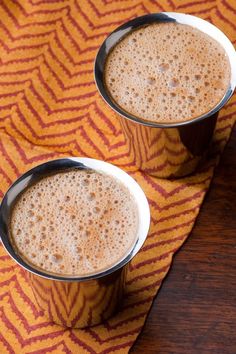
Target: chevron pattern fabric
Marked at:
49, 107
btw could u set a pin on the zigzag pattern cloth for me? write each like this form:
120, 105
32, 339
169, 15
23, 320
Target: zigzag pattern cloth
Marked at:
49, 108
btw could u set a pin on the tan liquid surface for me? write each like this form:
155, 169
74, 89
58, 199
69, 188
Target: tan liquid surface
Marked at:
76, 222
167, 72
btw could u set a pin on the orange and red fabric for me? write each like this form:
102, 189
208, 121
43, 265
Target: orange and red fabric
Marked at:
49, 107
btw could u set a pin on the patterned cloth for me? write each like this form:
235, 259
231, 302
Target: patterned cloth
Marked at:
49, 107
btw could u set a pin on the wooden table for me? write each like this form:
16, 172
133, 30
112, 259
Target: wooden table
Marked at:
195, 310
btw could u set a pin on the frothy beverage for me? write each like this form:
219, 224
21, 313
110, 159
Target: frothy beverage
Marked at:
75, 222
167, 72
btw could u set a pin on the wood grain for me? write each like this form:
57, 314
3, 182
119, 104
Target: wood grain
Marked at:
195, 310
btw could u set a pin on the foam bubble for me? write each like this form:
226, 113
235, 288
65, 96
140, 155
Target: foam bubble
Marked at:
163, 67
151, 80
174, 82
80, 218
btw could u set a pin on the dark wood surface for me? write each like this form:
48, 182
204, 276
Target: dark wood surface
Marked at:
195, 310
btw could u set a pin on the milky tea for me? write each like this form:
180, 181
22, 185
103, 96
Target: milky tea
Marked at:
167, 72
74, 223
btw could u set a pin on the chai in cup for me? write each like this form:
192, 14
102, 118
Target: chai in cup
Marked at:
76, 222
73, 225
167, 72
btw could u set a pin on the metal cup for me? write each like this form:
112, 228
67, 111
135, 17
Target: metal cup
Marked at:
166, 149
76, 301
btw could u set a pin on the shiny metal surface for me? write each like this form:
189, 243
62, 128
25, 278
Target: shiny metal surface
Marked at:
76, 301
166, 149
79, 304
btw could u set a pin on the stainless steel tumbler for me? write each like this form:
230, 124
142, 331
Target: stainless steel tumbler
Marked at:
76, 301
166, 149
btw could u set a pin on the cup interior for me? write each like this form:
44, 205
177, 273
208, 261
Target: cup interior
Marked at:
64, 164
181, 18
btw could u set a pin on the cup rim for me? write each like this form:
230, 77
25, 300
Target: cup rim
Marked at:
65, 163
114, 37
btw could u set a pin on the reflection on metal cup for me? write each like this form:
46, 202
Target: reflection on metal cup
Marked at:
169, 152
79, 304
166, 149
74, 301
